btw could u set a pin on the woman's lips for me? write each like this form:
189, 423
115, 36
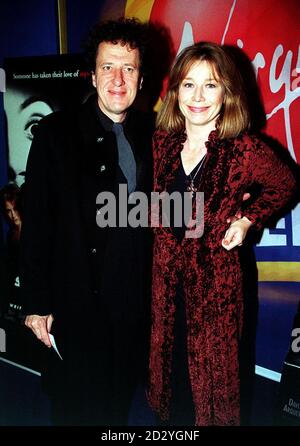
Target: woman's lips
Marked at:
197, 109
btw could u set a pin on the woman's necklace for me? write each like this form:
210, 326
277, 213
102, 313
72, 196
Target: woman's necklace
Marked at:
191, 186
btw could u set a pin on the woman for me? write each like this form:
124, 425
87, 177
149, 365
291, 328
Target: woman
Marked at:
201, 145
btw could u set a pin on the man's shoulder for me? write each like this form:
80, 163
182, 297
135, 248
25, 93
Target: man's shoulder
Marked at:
66, 118
53, 120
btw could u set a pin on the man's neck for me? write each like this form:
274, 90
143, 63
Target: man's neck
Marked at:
115, 117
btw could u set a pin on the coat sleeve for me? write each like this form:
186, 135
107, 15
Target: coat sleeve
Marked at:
276, 181
37, 226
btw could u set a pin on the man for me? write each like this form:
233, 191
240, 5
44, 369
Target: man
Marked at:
86, 284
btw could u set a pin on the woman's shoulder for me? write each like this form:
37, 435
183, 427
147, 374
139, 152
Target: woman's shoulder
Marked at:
247, 138
160, 135
163, 136
256, 148
250, 142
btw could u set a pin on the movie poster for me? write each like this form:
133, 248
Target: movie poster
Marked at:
36, 87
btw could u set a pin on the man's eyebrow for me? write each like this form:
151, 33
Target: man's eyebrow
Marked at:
127, 64
31, 100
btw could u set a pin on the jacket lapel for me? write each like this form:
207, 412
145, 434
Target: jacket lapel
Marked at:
170, 160
98, 160
98, 150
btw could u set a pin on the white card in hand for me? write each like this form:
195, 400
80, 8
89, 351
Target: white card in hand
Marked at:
53, 343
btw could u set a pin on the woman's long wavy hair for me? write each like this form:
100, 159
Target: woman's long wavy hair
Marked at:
234, 116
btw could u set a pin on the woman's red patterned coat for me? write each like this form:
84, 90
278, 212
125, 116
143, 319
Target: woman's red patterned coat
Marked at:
212, 277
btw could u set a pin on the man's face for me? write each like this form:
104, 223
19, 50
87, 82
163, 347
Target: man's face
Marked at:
116, 78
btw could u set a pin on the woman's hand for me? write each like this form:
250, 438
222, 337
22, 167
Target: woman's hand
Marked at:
236, 233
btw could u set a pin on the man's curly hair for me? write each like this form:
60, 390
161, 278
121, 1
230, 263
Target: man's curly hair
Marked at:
127, 31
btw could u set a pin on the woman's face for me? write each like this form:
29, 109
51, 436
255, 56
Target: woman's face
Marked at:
200, 96
11, 213
23, 113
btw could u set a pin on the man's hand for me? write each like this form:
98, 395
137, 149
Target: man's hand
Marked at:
238, 214
41, 326
236, 233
